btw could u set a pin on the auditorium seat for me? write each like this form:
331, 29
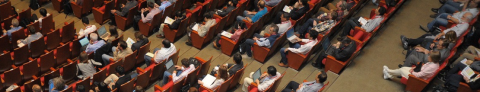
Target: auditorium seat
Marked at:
37, 47
205, 65
69, 72
192, 77
100, 76
12, 77
143, 77
16, 90
79, 10
102, 13
62, 55
57, 5
24, 14
124, 22
5, 10
75, 48
50, 75
112, 66
46, 61
48, 24
295, 60
261, 54
147, 28
27, 86
127, 87
6, 46
254, 87
141, 52
115, 41
170, 86
20, 55
68, 32
98, 3
336, 66
198, 42
229, 46
29, 70
86, 83
53, 40
68, 89
19, 34
6, 62
173, 35
222, 88
157, 71
237, 77
8, 22
129, 62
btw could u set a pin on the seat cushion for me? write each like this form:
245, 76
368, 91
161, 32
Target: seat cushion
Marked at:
102, 8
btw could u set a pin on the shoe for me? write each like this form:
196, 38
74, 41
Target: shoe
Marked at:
160, 36
215, 46
435, 10
339, 39
314, 64
424, 29
404, 42
386, 75
188, 43
433, 15
400, 65
282, 65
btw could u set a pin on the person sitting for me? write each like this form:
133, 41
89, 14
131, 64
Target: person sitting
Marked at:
152, 11
44, 14
282, 27
123, 10
37, 88
15, 27
265, 80
202, 28
114, 81
472, 7
174, 26
100, 87
261, 40
86, 66
119, 52
163, 5
369, 26
237, 32
253, 17
450, 36
270, 3
162, 54
34, 35
221, 77
341, 51
180, 72
420, 54
56, 84
297, 11
451, 6
426, 71
88, 28
341, 8
442, 20
470, 54
323, 22
94, 43
232, 68
297, 48
312, 86
79, 88
139, 89
113, 34
141, 41
230, 6
453, 78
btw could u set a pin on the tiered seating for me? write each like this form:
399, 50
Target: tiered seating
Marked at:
198, 42
254, 87
102, 13
79, 10
124, 22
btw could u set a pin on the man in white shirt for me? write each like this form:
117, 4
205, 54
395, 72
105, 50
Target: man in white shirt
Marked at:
312, 86
44, 14
369, 26
167, 50
265, 80
88, 28
282, 27
442, 20
297, 48
180, 72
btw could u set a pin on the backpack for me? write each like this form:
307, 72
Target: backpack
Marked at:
194, 61
34, 4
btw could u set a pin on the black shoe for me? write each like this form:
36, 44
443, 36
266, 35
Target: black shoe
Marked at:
435, 10
188, 43
404, 42
399, 77
400, 65
424, 29
433, 15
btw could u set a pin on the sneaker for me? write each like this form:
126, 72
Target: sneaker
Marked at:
404, 42
435, 10
386, 75
400, 65
160, 36
188, 43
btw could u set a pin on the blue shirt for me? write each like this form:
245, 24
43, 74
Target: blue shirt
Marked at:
50, 86
164, 5
259, 14
94, 46
13, 29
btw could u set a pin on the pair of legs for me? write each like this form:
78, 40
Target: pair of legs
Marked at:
303, 29
245, 15
284, 54
148, 59
110, 80
249, 43
441, 20
470, 54
330, 7
404, 72
106, 58
351, 24
449, 7
413, 58
166, 74
292, 86
160, 30
247, 81
328, 51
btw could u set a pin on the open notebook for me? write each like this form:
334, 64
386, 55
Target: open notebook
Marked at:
130, 42
169, 20
467, 72
208, 80
226, 34
287, 9
362, 20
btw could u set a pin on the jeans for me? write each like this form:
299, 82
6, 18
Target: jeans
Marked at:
148, 59
240, 18
291, 87
284, 54
166, 74
441, 20
302, 30
106, 57
449, 7
249, 43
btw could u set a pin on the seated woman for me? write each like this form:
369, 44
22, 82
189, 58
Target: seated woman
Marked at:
427, 70
240, 28
221, 77
113, 34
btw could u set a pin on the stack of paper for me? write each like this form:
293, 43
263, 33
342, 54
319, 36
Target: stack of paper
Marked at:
129, 42
292, 38
467, 72
169, 20
362, 20
286, 9
226, 34
209, 79
195, 27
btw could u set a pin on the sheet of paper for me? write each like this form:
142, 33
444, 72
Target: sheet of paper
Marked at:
286, 9
464, 61
226, 34
292, 38
195, 27
130, 42
20, 45
169, 20
362, 20
149, 54
208, 80
468, 72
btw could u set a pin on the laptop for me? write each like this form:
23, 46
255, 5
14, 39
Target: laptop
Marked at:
257, 74
102, 32
84, 41
291, 36
170, 66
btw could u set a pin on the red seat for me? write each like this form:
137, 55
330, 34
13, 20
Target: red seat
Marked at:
37, 47
27, 86
86, 83
6, 46
12, 77
295, 60
75, 48
57, 5
35, 25
170, 86
129, 62
21, 55
147, 27
100, 76
17, 35
53, 40
141, 52
69, 73
68, 32
111, 67
172, 35
261, 54
46, 61
254, 87
101, 16
124, 22
228, 45
198, 42
205, 65
143, 77
6, 62
127, 87
62, 54
6, 10
29, 70
79, 10
48, 24
237, 77
335, 65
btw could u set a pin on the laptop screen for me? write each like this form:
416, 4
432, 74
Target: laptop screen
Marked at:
84, 41
257, 74
169, 64
102, 31
290, 32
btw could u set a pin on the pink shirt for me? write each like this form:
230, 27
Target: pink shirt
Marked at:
427, 71
237, 34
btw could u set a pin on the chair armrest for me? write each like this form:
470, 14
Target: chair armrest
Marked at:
415, 84
228, 45
158, 88
253, 84
140, 70
333, 64
70, 61
52, 69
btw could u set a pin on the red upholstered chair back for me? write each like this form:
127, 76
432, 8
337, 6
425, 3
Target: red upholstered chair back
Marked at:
69, 72
115, 41
6, 62
143, 79
12, 77
68, 89
6, 46
29, 84
24, 14
85, 83
35, 25
37, 47
30, 69
21, 55
53, 39
47, 24
141, 52
19, 34
100, 76
127, 87
129, 62
68, 32
98, 3
236, 77
75, 48
46, 61
63, 53
114, 65
6, 10
205, 65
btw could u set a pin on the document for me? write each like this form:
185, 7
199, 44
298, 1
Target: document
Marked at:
209, 79
195, 27
292, 38
169, 20
464, 61
286, 9
150, 54
130, 42
226, 34
20, 45
362, 20
478, 52
467, 72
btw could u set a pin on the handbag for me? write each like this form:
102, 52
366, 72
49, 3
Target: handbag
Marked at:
418, 67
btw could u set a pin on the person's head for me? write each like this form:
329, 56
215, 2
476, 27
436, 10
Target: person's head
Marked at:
32, 30
333, 15
304, 3
241, 25
122, 44
467, 17
380, 11
321, 77
43, 12
85, 21
178, 14
342, 5
166, 43
451, 36
120, 70
150, 5
261, 4
185, 62
93, 37
285, 17
15, 22
139, 89
237, 58
113, 31
222, 73
272, 71
83, 57
473, 4
233, 3
58, 83
312, 34
102, 87
80, 88
346, 41
139, 36
434, 57
193, 89
36, 88
208, 16
442, 43
274, 29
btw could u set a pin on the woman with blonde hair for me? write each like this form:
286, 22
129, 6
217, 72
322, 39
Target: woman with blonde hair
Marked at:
426, 71
221, 77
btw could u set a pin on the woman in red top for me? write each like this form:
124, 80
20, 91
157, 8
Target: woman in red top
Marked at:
239, 29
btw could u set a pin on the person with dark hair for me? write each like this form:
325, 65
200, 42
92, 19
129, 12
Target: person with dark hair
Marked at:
297, 11
420, 54
239, 28
341, 8
312, 86
151, 12
116, 80
112, 33
44, 14
252, 16
15, 27
94, 44
119, 52
162, 54
220, 78
260, 40
322, 22
283, 26
124, 10
88, 28
80, 88
34, 35
427, 70
139, 89
232, 68
341, 51
368, 26
174, 26
180, 72
141, 41
230, 6
56, 84
100, 87
37, 88
297, 48
265, 80
202, 29
86, 66
3, 1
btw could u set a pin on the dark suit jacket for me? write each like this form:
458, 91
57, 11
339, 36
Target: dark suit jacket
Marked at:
225, 12
127, 7
122, 80
233, 68
272, 39
343, 53
297, 13
176, 23
138, 44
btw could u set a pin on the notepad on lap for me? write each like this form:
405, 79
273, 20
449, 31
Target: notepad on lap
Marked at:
208, 80
20, 45
129, 42
464, 61
226, 34
149, 54
362, 20
292, 39
195, 27
468, 72
286, 9
169, 20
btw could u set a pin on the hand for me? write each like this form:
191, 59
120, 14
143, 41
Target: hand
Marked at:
248, 19
411, 70
174, 72
255, 38
314, 23
18, 41
4, 31
469, 62
285, 50
466, 79
257, 81
113, 11
290, 7
298, 39
178, 67
200, 82
123, 5
449, 17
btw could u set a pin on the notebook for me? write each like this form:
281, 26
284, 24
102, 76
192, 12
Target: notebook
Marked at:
464, 61
130, 42
467, 72
169, 65
362, 20
103, 32
169, 20
84, 41
226, 34
287, 9
257, 74
291, 36
209, 79
195, 27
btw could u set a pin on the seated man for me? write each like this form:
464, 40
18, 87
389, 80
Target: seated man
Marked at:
141, 41
426, 71
297, 48
323, 22
94, 43
270, 3
451, 6
264, 81
232, 68
470, 54
178, 19
151, 12
472, 7
167, 50
57, 84
114, 81
37, 88
119, 52
44, 14
341, 51
180, 72
341, 8
297, 10
253, 17
230, 6
312, 86
124, 10
420, 54
202, 28
260, 40
88, 28
163, 5
239, 28
34, 35
282, 27
15, 27
442, 20
453, 79
369, 26
426, 39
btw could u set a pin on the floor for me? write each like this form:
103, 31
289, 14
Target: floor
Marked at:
384, 49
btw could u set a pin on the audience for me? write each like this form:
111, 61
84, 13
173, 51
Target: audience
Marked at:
116, 80
119, 52
297, 10
252, 16
297, 48
442, 20
202, 28
265, 80
15, 27
56, 84
221, 77
163, 5
86, 66
37, 88
141, 41
162, 54
88, 28
312, 86
470, 54
113, 34
151, 12
44, 14
426, 71
230, 6
369, 26
426, 39
174, 26
94, 43
451, 6
180, 72
260, 40
323, 22
34, 35
420, 54
80, 88
453, 78
472, 7
341, 8
282, 27
124, 10
232, 68
341, 51
239, 28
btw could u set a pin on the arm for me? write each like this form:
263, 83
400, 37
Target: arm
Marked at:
263, 86
215, 84
263, 42
95, 62
372, 24
144, 19
302, 49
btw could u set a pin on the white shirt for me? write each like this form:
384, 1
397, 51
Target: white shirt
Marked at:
264, 85
185, 73
88, 29
372, 23
283, 27
305, 48
215, 84
459, 15
459, 29
165, 53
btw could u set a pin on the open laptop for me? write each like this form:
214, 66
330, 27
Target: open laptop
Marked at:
170, 66
291, 36
84, 41
102, 32
257, 74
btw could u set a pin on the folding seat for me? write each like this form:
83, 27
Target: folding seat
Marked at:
127, 87
324, 86
98, 3
68, 32
146, 28
229, 46
6, 46
57, 5
205, 65
100, 75
20, 34
6, 62
102, 13
124, 22
69, 73
262, 54
6, 13
24, 14
29, 70
62, 55
254, 87
143, 77
115, 41
198, 42
79, 10
295, 60
16, 90
170, 86
68, 89
173, 35
35, 25
75, 48
20, 55
48, 24
86, 83
237, 77
337, 66
129, 62
157, 71
141, 52
27, 86
50, 75
37, 47
112, 66
46, 61
12, 77
53, 39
